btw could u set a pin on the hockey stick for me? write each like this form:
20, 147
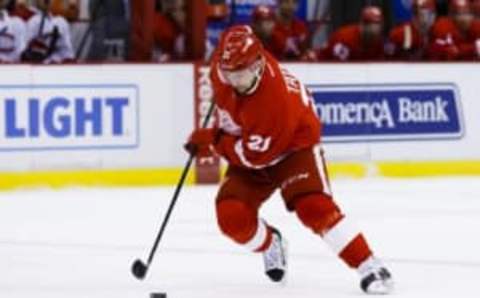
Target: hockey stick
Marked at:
42, 23
53, 42
28, 54
88, 32
139, 268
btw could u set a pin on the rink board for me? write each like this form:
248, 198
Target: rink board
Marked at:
170, 176
126, 124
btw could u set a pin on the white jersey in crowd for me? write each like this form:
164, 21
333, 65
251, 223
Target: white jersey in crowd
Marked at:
63, 45
13, 36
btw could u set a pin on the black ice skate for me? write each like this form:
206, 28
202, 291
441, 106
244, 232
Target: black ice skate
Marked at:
376, 279
275, 258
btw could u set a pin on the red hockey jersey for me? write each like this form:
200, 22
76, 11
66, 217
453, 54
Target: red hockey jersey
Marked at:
449, 43
264, 127
346, 45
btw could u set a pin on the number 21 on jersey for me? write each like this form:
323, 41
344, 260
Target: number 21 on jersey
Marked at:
258, 143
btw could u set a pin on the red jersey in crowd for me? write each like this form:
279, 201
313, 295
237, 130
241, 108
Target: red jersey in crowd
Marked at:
407, 42
449, 43
168, 38
347, 44
289, 41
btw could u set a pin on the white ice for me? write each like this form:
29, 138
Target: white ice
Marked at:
81, 242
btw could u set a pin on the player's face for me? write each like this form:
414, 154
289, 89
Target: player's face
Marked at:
463, 20
425, 18
372, 31
244, 79
288, 8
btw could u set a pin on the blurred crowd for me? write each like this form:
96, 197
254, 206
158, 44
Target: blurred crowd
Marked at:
426, 35
36, 32
356, 30
54, 32
369, 31
57, 31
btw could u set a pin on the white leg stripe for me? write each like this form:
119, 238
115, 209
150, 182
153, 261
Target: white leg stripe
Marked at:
321, 170
259, 238
340, 235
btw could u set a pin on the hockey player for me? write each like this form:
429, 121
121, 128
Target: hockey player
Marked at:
269, 133
456, 37
48, 37
12, 35
359, 42
409, 41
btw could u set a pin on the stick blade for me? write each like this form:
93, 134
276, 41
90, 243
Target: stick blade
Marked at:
139, 269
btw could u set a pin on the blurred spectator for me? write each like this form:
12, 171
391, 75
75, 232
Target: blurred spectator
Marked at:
110, 30
263, 23
476, 8
66, 8
48, 37
12, 35
359, 42
456, 37
291, 37
169, 31
409, 41
141, 30
23, 9
344, 12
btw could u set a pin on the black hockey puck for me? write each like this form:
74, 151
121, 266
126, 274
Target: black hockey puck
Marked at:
158, 295
139, 269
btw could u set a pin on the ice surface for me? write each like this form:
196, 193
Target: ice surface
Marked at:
81, 242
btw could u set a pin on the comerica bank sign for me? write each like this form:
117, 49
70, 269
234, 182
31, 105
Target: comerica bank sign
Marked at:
352, 113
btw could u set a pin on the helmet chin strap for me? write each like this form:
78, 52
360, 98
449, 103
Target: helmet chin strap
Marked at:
252, 87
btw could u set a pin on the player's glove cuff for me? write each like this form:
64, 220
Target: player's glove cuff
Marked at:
202, 141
